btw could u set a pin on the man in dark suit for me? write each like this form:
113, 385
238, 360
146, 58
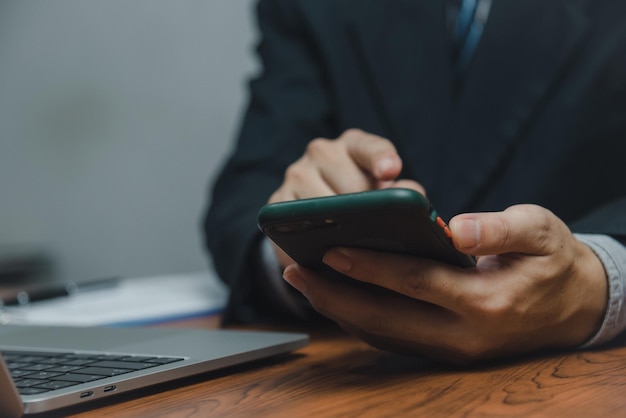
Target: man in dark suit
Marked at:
523, 139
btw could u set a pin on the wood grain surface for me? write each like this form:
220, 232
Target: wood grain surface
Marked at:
339, 376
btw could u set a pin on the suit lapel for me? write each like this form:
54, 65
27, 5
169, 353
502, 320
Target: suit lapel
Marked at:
523, 53
404, 51
522, 57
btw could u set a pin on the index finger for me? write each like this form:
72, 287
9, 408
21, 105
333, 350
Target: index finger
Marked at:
421, 279
374, 154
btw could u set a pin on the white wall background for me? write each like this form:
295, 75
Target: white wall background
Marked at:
114, 117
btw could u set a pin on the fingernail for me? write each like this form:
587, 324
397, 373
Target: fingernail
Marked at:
294, 278
338, 260
466, 232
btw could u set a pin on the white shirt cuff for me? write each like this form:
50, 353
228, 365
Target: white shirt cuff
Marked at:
612, 254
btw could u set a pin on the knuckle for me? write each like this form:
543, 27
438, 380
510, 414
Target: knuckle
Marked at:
494, 309
542, 228
543, 220
360, 139
318, 145
504, 236
491, 309
543, 232
501, 304
276, 196
352, 132
416, 285
295, 172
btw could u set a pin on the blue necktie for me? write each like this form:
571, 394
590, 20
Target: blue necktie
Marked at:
469, 26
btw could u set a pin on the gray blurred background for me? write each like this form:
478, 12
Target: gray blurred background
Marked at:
114, 117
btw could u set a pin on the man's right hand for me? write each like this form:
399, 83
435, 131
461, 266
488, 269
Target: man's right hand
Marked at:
356, 161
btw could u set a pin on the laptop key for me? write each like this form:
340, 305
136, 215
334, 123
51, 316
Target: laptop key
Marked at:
79, 356
16, 365
80, 378
42, 375
164, 360
137, 358
32, 359
108, 357
78, 362
63, 369
32, 391
20, 373
37, 367
104, 371
53, 384
133, 365
53, 360
26, 383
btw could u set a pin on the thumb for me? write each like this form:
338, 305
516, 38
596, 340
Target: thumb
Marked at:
526, 229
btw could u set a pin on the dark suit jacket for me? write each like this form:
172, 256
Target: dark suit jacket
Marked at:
541, 117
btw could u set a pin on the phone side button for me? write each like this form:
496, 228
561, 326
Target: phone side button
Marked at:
444, 226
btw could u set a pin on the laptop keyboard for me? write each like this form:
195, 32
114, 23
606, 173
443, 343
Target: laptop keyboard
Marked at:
39, 372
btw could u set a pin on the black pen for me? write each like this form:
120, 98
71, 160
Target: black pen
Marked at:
39, 292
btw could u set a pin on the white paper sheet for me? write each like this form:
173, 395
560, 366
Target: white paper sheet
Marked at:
133, 301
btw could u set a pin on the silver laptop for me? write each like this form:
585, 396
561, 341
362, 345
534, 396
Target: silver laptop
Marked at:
46, 368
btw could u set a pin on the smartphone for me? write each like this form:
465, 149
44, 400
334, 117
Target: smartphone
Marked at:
390, 220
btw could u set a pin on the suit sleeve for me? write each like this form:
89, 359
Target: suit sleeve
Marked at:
289, 105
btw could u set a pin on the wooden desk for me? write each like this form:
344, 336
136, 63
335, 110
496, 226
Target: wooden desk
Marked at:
338, 376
